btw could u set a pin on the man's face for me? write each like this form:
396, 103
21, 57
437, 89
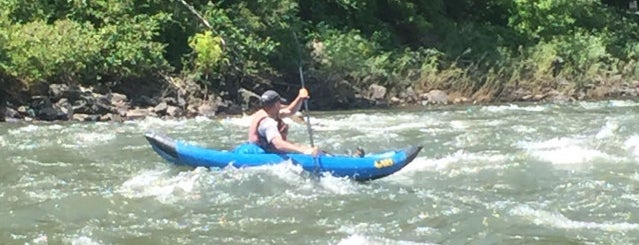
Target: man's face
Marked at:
274, 109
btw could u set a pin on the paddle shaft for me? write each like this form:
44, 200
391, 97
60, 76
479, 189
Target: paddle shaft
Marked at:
307, 114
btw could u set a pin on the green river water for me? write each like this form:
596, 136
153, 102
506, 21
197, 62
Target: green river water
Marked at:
502, 174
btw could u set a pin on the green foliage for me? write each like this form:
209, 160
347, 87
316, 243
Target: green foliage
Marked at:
38, 51
464, 45
208, 51
71, 51
346, 53
128, 48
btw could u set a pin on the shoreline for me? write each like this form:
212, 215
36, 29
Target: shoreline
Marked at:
407, 106
61, 102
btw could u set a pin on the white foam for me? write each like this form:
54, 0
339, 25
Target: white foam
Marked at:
150, 123
163, 186
294, 175
608, 130
622, 103
91, 139
82, 240
355, 240
25, 129
562, 151
284, 170
523, 129
339, 186
244, 121
459, 125
632, 145
458, 163
512, 107
41, 239
569, 155
461, 156
370, 122
606, 104
358, 239
557, 220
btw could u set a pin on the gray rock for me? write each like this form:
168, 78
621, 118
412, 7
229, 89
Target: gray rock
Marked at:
539, 97
117, 98
121, 108
437, 97
49, 113
376, 92
192, 110
59, 91
137, 113
65, 107
45, 110
560, 98
518, 94
161, 108
81, 117
396, 101
174, 111
169, 101
411, 95
206, 110
10, 113
145, 101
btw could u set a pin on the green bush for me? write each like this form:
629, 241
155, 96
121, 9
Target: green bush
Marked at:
349, 55
208, 52
37, 51
128, 48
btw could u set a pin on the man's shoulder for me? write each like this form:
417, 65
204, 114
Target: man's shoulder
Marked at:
267, 121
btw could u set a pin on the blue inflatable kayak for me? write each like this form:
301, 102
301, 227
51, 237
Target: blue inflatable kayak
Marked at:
368, 167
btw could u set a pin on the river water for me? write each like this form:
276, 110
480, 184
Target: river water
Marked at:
502, 174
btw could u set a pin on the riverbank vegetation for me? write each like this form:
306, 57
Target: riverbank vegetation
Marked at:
484, 50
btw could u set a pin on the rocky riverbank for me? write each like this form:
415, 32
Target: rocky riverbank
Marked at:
60, 102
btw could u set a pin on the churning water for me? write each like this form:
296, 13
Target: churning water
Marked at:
503, 174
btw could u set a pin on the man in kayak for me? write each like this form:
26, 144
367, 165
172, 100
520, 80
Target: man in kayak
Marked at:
268, 132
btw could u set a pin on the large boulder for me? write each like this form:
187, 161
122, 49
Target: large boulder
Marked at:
47, 111
436, 97
117, 98
137, 113
174, 111
376, 92
161, 108
59, 91
206, 110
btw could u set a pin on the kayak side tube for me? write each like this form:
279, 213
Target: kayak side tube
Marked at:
369, 167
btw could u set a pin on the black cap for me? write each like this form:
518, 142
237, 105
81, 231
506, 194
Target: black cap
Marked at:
270, 97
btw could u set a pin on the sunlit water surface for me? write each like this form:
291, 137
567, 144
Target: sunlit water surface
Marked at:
503, 174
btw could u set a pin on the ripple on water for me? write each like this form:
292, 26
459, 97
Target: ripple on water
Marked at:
88, 140
168, 187
557, 220
632, 145
564, 151
163, 185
